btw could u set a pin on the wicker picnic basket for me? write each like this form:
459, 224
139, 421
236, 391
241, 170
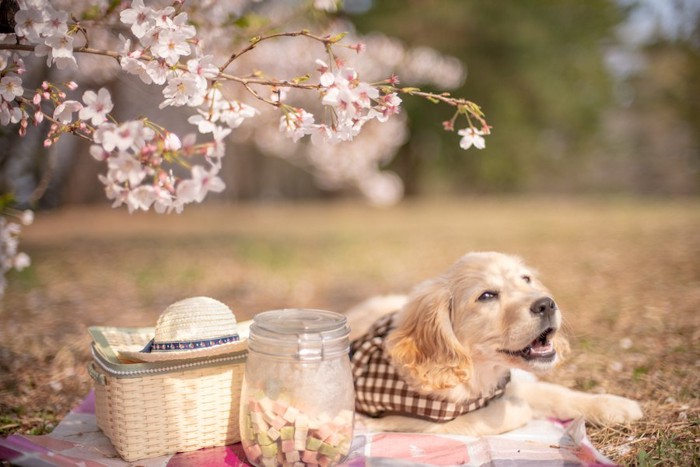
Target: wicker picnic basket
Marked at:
154, 409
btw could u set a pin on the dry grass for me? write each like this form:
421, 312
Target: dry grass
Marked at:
625, 272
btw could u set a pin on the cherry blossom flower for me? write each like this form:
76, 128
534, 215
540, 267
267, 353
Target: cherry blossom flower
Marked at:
113, 189
141, 197
204, 124
296, 124
124, 137
137, 67
21, 261
29, 23
164, 202
158, 71
64, 111
10, 113
56, 23
217, 148
387, 106
10, 257
126, 168
181, 90
203, 68
216, 108
179, 23
61, 46
140, 18
202, 182
97, 106
321, 134
11, 87
27, 217
99, 153
64, 60
471, 137
171, 142
170, 46
235, 113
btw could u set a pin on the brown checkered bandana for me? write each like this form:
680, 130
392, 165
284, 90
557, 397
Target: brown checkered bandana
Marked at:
379, 390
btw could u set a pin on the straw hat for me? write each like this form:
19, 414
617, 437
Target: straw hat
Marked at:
192, 328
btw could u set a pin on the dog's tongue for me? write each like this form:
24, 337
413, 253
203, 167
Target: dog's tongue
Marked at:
537, 347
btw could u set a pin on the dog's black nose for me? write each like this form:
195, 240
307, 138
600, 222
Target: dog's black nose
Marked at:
543, 306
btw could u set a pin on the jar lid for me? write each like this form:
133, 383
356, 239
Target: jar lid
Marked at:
300, 333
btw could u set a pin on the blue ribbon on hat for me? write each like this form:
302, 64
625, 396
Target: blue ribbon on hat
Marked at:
188, 345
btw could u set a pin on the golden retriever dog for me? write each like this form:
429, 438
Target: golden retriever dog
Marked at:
447, 358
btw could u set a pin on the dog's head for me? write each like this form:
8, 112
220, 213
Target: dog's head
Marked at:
489, 308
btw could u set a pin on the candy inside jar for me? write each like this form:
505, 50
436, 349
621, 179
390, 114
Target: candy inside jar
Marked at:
297, 404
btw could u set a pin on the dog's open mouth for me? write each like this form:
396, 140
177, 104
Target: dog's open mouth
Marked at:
539, 349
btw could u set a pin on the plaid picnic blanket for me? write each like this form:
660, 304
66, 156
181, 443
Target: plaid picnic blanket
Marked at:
77, 441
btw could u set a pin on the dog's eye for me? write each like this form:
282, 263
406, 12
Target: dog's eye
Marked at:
527, 279
488, 295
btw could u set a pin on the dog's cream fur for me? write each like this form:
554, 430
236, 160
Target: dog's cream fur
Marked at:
458, 335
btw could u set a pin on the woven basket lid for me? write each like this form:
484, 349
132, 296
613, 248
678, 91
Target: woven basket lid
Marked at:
195, 327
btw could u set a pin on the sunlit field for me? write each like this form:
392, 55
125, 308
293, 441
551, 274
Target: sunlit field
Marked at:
626, 274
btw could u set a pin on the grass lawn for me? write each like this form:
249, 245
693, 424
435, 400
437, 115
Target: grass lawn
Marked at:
625, 272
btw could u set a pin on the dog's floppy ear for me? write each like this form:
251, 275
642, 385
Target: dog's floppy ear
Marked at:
424, 345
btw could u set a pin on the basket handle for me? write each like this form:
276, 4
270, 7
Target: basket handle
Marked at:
96, 375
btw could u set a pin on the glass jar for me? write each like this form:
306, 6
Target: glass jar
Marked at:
297, 399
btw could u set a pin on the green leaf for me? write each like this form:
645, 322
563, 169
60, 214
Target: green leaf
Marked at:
6, 200
301, 79
337, 38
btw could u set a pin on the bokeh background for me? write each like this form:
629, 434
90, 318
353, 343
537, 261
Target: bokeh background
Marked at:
591, 174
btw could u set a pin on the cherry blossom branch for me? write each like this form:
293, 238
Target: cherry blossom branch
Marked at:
146, 58
72, 129
464, 106
327, 40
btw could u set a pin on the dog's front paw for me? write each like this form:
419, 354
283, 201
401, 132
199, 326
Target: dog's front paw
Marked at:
607, 409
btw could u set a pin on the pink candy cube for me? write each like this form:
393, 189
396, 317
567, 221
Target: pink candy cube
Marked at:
253, 451
324, 432
278, 422
291, 414
310, 457
288, 445
280, 407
